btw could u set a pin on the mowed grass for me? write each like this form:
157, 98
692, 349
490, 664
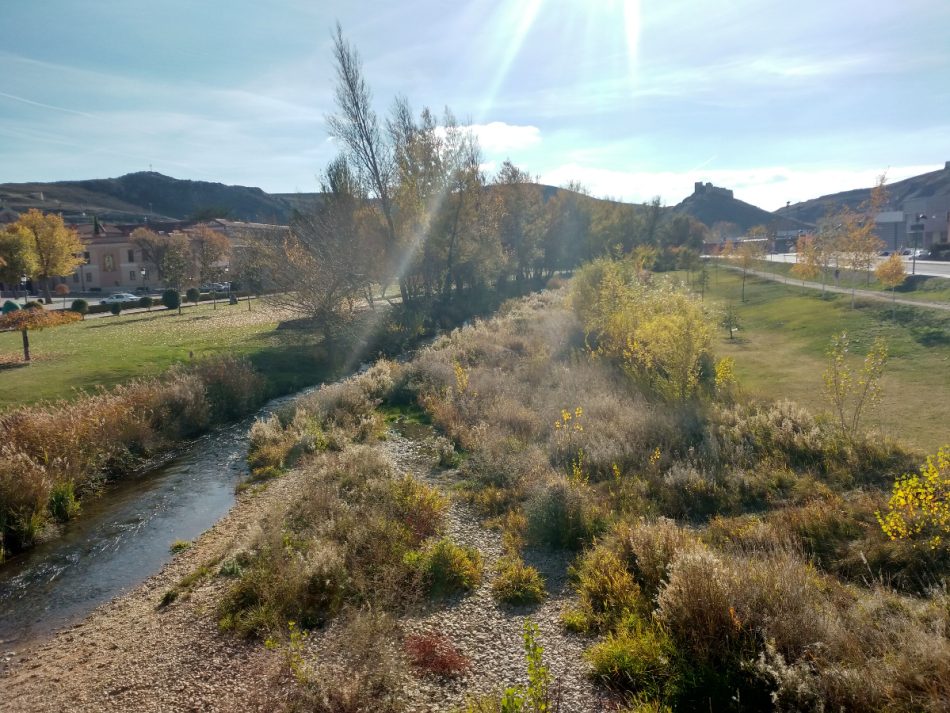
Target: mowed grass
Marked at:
781, 345
921, 288
110, 350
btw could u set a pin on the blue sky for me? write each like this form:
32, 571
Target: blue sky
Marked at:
779, 101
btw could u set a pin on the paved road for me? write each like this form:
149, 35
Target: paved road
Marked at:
930, 268
863, 294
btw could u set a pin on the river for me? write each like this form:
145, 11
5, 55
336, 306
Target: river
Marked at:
123, 536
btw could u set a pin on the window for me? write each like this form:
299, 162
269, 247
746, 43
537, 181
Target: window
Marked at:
131, 256
85, 256
131, 275
108, 263
89, 277
75, 277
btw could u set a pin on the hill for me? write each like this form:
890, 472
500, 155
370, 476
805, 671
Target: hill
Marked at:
711, 204
131, 197
927, 185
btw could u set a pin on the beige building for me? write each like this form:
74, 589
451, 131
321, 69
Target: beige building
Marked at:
114, 264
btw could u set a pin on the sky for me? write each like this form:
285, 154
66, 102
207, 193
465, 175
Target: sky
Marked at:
634, 99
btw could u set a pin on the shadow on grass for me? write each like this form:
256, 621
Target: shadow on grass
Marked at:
11, 365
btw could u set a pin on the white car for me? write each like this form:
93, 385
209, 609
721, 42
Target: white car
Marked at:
120, 298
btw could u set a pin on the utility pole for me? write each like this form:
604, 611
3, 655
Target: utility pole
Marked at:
918, 230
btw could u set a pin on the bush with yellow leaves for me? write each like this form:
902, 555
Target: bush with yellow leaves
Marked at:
919, 508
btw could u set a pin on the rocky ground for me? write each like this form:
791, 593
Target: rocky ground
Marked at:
135, 655
489, 633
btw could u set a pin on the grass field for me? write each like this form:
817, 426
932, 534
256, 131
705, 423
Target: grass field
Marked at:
110, 350
780, 352
919, 287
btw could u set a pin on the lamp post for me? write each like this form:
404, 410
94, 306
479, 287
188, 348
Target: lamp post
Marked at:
23, 279
917, 228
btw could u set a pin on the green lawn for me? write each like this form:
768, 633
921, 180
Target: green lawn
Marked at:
919, 287
780, 352
109, 350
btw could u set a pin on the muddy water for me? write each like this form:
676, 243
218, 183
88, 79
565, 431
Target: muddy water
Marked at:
122, 537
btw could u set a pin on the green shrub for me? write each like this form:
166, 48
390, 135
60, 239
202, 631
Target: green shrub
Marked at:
447, 568
9, 306
115, 308
193, 295
80, 306
63, 503
171, 299
517, 583
33, 304
179, 546
638, 658
607, 593
146, 302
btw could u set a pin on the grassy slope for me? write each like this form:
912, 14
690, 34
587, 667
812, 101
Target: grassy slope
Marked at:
780, 353
110, 350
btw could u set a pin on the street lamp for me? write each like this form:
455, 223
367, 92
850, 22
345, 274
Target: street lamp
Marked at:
23, 279
918, 229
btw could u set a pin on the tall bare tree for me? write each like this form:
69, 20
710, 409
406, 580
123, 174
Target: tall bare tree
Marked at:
357, 126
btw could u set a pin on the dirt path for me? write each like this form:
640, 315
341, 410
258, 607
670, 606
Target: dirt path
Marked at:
489, 634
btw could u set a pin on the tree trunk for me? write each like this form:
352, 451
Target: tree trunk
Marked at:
26, 345
47, 295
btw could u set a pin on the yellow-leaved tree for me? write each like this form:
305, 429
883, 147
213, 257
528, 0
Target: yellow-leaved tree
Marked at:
891, 274
54, 249
659, 333
807, 261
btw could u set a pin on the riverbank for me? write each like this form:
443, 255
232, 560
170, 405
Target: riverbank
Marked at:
132, 654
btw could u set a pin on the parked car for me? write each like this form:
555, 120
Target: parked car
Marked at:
884, 253
119, 298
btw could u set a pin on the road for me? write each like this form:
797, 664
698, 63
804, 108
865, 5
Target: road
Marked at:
930, 268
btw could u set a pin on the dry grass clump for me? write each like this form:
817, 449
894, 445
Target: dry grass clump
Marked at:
54, 453
350, 406
367, 672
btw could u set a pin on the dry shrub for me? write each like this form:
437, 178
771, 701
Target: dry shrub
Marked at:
233, 387
562, 514
351, 405
368, 675
649, 547
435, 654
814, 639
745, 433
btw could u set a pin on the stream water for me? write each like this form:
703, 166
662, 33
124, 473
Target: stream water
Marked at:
122, 537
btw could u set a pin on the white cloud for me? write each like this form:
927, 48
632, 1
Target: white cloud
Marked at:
499, 137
